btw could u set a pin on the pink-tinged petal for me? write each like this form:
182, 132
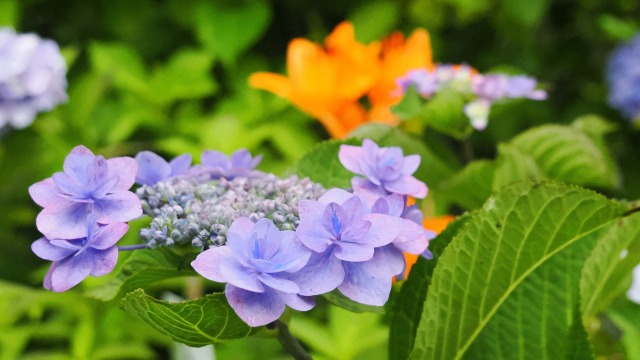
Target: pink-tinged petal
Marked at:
108, 235
367, 282
297, 302
207, 263
384, 229
125, 170
353, 252
323, 273
256, 309
392, 257
67, 185
392, 205
356, 233
103, 260
413, 238
44, 193
410, 164
70, 272
351, 158
180, 164
241, 276
241, 159
44, 249
365, 187
314, 235
354, 209
294, 258
337, 196
64, 221
151, 168
278, 283
98, 175
121, 206
77, 163
213, 158
311, 210
238, 239
407, 185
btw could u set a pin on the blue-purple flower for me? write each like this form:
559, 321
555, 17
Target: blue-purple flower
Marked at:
386, 169
32, 77
256, 263
152, 168
349, 247
89, 186
623, 75
216, 165
95, 254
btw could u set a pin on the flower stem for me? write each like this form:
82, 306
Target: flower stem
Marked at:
290, 343
132, 247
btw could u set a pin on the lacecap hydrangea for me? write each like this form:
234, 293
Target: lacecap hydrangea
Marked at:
623, 76
274, 242
32, 77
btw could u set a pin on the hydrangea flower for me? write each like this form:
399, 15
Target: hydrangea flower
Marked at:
387, 170
152, 168
348, 242
88, 186
73, 260
216, 165
623, 75
256, 264
32, 77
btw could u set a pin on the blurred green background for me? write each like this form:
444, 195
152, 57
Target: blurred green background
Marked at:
171, 76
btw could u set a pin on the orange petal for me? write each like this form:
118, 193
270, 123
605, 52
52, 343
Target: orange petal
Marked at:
274, 83
311, 71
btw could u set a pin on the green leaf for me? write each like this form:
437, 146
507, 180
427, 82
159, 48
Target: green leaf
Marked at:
514, 165
526, 13
471, 187
121, 63
579, 347
410, 105
443, 112
198, 322
375, 19
9, 13
185, 76
607, 271
227, 28
506, 286
322, 165
142, 269
408, 307
570, 155
625, 316
335, 297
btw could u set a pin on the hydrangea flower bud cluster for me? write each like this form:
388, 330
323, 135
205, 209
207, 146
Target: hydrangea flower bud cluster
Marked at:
86, 207
186, 211
32, 77
483, 89
623, 75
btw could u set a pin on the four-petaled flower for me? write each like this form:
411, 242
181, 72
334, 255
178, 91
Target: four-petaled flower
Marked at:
153, 168
387, 170
74, 260
256, 263
88, 186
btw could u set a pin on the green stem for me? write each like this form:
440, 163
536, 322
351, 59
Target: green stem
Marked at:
290, 343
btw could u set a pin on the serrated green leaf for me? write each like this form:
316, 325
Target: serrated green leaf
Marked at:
322, 165
408, 307
185, 76
471, 187
142, 269
607, 271
228, 28
199, 322
567, 154
505, 287
514, 165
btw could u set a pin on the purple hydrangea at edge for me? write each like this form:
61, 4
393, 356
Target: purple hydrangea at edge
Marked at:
152, 168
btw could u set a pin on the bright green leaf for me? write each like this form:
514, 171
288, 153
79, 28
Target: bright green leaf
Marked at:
185, 76
198, 322
471, 187
513, 165
375, 19
122, 64
322, 165
505, 286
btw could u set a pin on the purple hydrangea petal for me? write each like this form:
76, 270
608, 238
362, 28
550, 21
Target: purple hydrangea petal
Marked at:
255, 309
44, 249
65, 220
70, 272
122, 206
520, 86
242, 159
125, 170
44, 193
77, 163
107, 236
68, 186
338, 196
297, 302
180, 164
407, 185
384, 229
347, 251
294, 258
238, 239
410, 164
215, 159
278, 283
104, 261
207, 263
350, 157
413, 239
239, 275
323, 273
47, 278
367, 188
151, 168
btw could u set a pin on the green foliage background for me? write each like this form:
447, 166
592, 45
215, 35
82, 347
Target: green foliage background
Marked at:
170, 76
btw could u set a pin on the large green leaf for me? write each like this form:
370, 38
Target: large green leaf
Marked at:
322, 165
506, 286
607, 272
407, 309
185, 76
470, 187
122, 64
142, 269
513, 165
198, 322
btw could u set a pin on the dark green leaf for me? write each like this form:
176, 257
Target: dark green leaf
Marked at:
471, 187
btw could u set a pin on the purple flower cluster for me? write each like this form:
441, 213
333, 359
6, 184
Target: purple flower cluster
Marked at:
32, 77
85, 209
623, 75
484, 89
352, 242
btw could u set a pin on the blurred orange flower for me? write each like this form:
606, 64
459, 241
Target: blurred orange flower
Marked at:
437, 225
329, 82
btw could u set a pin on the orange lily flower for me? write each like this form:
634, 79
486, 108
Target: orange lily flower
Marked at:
327, 83
435, 224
